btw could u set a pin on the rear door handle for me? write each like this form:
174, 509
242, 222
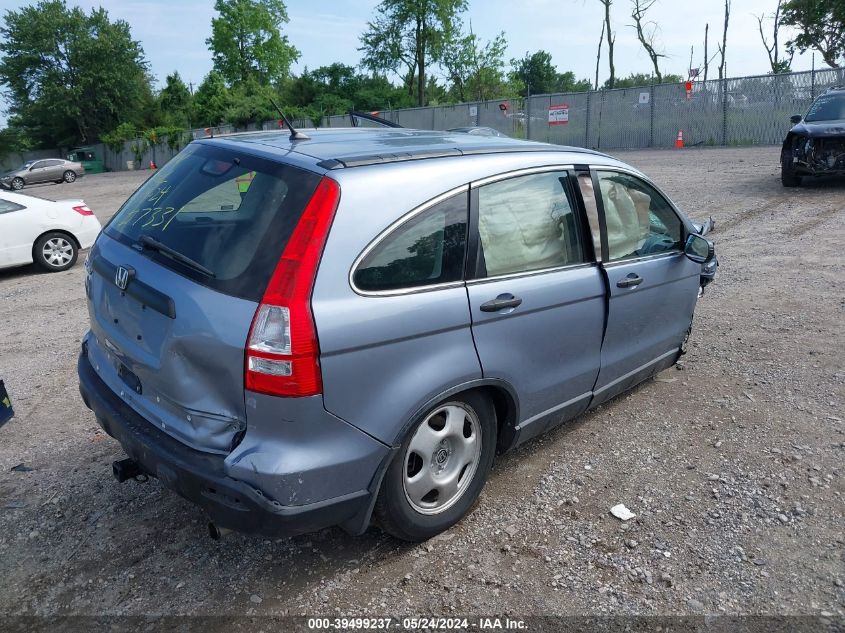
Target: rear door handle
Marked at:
502, 302
631, 281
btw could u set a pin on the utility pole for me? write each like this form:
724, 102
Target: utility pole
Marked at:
527, 99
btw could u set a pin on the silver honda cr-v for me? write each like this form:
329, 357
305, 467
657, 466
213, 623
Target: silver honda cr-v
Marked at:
295, 333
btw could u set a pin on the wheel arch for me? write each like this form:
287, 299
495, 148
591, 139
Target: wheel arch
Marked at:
64, 232
505, 403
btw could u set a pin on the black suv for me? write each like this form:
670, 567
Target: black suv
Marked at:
815, 146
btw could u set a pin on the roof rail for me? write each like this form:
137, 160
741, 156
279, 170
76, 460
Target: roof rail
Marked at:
354, 115
360, 160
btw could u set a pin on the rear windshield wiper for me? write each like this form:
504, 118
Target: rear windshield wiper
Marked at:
154, 244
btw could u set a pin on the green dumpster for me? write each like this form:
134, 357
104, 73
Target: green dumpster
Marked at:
92, 163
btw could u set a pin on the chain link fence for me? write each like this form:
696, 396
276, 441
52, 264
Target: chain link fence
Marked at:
738, 111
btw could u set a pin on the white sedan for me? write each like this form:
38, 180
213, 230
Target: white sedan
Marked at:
45, 232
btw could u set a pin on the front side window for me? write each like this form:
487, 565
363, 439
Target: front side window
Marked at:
528, 223
426, 250
640, 222
8, 207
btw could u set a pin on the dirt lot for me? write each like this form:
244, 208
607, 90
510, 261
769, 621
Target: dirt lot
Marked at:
733, 462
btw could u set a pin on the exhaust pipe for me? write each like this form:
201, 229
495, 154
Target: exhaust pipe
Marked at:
126, 469
215, 532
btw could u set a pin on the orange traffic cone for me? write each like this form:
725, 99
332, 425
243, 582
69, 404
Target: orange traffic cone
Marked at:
153, 165
679, 142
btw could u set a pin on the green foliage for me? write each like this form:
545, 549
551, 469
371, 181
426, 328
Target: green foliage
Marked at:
211, 101
175, 101
138, 147
12, 140
820, 25
408, 36
116, 139
639, 80
337, 88
476, 71
69, 76
542, 77
247, 43
251, 103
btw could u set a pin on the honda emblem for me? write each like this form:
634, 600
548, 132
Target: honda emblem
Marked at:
121, 277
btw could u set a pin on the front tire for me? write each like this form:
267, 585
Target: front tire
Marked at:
55, 252
69, 176
440, 469
17, 184
787, 171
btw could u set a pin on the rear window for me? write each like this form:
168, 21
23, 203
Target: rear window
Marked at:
229, 212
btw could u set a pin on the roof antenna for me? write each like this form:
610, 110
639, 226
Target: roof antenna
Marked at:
294, 134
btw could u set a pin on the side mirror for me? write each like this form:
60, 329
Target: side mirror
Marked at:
699, 249
796, 118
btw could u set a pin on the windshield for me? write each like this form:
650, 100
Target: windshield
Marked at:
827, 108
230, 213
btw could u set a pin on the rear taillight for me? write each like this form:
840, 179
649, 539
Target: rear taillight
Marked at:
282, 354
83, 209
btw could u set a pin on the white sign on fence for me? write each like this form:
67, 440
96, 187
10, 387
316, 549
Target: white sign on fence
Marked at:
644, 97
559, 114
473, 111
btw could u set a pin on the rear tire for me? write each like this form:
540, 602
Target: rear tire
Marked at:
17, 184
55, 252
440, 470
787, 171
69, 176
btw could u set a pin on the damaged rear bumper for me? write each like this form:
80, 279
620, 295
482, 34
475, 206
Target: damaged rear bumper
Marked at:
206, 478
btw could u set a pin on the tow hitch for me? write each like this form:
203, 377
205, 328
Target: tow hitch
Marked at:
127, 469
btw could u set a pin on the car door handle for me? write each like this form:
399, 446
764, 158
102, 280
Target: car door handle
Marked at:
503, 301
631, 281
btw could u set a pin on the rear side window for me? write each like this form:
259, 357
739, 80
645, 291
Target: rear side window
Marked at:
427, 249
528, 223
8, 207
229, 212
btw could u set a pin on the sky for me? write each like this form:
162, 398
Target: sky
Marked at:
173, 33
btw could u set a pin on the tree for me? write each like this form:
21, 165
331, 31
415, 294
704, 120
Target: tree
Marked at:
70, 76
777, 64
408, 36
647, 33
598, 55
566, 82
251, 102
175, 100
641, 80
611, 39
724, 45
537, 73
475, 71
820, 25
246, 41
211, 100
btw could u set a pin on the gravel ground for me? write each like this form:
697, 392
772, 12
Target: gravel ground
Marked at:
733, 462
